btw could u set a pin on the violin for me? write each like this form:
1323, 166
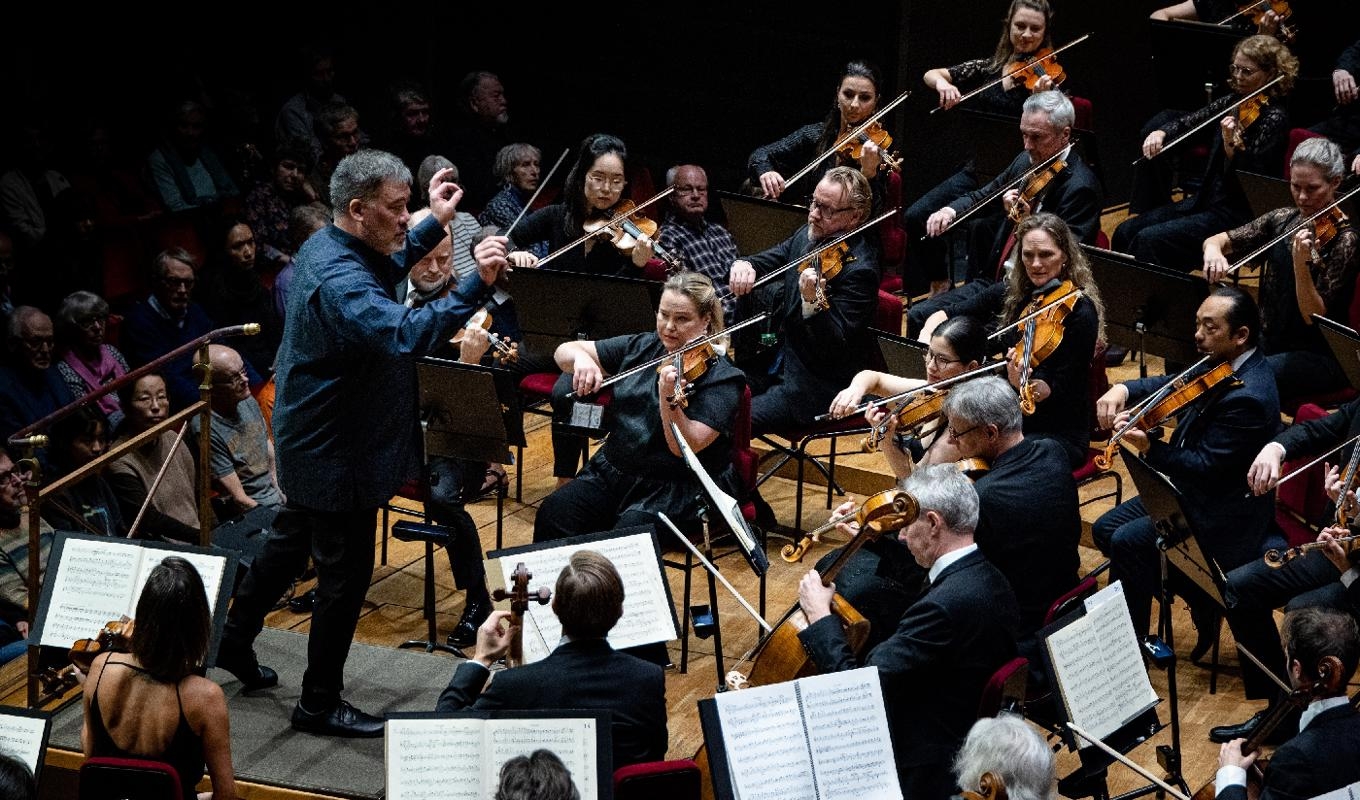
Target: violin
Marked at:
1167, 402
882, 510
990, 787
690, 365
972, 467
114, 637
520, 597
911, 414
828, 265
502, 350
1278, 558
1325, 229
1247, 113
1034, 188
1043, 332
626, 227
853, 146
1040, 64
1257, 10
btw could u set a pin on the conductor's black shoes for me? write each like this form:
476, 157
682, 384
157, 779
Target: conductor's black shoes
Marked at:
342, 719
248, 671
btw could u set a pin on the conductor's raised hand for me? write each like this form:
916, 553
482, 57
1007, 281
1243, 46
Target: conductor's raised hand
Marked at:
491, 256
444, 196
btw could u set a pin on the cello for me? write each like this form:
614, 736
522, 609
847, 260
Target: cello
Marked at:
520, 597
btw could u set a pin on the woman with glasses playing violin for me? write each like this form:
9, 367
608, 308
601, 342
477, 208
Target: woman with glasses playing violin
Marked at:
640, 471
1250, 137
1311, 271
593, 190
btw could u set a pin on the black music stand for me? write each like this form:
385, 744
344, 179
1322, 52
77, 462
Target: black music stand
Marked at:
1148, 308
901, 356
1345, 344
1186, 55
758, 224
556, 307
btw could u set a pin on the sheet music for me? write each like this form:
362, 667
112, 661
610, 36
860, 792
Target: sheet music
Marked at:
1099, 665
762, 727
461, 759
847, 728
647, 616
21, 736
92, 586
210, 568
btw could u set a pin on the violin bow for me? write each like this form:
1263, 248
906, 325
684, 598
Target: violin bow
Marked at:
1126, 761
537, 191
863, 126
1136, 413
1031, 315
1297, 472
1212, 118
1023, 178
820, 249
1242, 11
613, 379
708, 565
1014, 72
615, 220
943, 384
156, 482
1300, 226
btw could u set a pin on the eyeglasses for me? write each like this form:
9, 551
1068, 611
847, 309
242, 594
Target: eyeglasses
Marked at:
691, 190
185, 282
1241, 72
237, 378
598, 180
92, 321
953, 434
940, 361
826, 210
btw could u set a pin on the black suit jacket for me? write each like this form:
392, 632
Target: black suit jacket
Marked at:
1323, 757
1208, 456
934, 666
586, 674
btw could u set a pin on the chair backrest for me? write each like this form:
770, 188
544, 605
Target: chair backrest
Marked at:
1098, 384
888, 317
744, 457
107, 778
892, 235
678, 779
1070, 600
1006, 688
1302, 500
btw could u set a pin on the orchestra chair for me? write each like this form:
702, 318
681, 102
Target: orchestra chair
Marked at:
415, 491
889, 317
109, 778
1041, 703
892, 237
1300, 502
678, 779
1005, 690
1297, 136
747, 462
535, 393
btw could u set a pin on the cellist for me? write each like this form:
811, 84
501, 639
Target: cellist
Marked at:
946, 645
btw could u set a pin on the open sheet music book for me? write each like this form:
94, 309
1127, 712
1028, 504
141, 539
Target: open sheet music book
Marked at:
459, 756
828, 734
23, 735
1099, 665
92, 580
648, 615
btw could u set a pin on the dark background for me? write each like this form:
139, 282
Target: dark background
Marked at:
706, 82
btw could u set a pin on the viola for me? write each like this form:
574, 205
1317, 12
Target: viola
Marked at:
828, 265
1257, 10
503, 350
627, 226
912, 414
972, 467
1166, 403
1033, 68
1043, 332
882, 510
690, 365
990, 787
853, 146
520, 597
1034, 188
1278, 558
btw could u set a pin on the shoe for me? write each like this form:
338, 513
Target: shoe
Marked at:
304, 602
252, 675
342, 719
474, 614
1207, 625
1115, 355
1278, 735
494, 482
765, 519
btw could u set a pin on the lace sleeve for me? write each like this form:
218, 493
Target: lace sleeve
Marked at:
1266, 134
1247, 238
1336, 280
970, 74
1212, 111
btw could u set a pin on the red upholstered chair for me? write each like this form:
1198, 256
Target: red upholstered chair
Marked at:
1084, 115
1005, 690
893, 236
107, 778
1296, 137
1303, 500
535, 391
678, 779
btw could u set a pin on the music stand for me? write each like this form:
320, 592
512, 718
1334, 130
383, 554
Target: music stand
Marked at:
1155, 308
556, 307
1187, 54
901, 356
758, 224
1345, 344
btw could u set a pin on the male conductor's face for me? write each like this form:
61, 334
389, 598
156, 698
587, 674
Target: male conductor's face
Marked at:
383, 218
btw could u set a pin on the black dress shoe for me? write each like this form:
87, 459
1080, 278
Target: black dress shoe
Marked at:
248, 671
342, 719
474, 614
1226, 733
304, 602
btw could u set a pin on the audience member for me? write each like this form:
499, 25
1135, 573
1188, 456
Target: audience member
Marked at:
517, 168
464, 229
296, 118
337, 127
85, 362
31, 184
407, 132
686, 232
233, 294
14, 550
541, 775
31, 387
188, 173
303, 221
479, 131
7, 262
173, 510
242, 454
267, 206
101, 169
88, 505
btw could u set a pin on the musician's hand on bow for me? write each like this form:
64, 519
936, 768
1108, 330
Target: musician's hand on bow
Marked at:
1230, 755
741, 279
1110, 404
491, 254
586, 375
1264, 472
444, 196
1268, 24
1152, 145
1332, 549
1343, 83
814, 597
809, 280
1215, 263
940, 221
772, 183
523, 258
493, 638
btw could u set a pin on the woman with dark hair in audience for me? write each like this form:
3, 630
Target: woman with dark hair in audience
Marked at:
89, 505
83, 359
128, 710
233, 294
173, 511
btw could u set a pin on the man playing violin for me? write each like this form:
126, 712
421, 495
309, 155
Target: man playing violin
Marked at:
1072, 192
1207, 458
947, 644
821, 347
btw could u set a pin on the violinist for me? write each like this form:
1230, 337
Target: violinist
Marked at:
1014, 753
819, 349
700, 244
857, 97
1070, 190
1250, 138
1310, 272
593, 190
1026, 30
1216, 11
1052, 266
946, 645
634, 476
582, 671
1216, 437
1323, 647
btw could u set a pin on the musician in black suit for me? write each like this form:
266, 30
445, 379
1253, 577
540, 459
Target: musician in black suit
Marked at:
582, 672
1207, 457
1073, 193
1323, 646
946, 646
820, 349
